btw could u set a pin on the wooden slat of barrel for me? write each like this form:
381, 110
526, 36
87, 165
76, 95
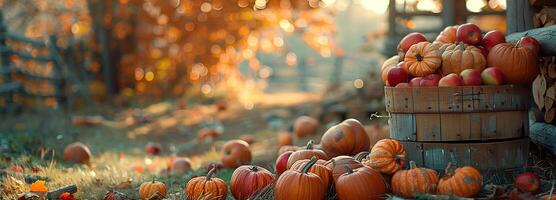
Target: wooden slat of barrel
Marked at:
428, 127
403, 126
425, 100
414, 152
467, 99
485, 156
403, 100
455, 127
450, 99
389, 98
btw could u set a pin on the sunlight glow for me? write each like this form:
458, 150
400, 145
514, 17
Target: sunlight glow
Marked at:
358, 83
429, 5
376, 6
475, 5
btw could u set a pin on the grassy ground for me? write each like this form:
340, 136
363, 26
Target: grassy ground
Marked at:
35, 141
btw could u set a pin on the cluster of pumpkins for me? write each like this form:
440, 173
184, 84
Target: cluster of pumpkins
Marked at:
343, 162
461, 55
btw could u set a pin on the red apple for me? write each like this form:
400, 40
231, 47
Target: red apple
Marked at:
469, 34
484, 51
415, 82
471, 77
430, 80
153, 148
528, 182
530, 43
492, 38
397, 75
281, 164
450, 80
492, 76
403, 85
409, 40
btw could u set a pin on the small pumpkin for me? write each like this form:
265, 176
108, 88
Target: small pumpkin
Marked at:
387, 156
448, 35
249, 179
387, 65
77, 153
319, 168
181, 165
422, 59
306, 153
408, 183
235, 153
464, 181
338, 165
208, 133
346, 138
115, 195
518, 64
457, 58
152, 188
206, 187
360, 183
284, 139
300, 185
305, 126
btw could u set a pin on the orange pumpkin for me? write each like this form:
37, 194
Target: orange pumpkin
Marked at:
235, 153
206, 187
387, 65
346, 138
338, 165
408, 183
464, 182
152, 188
249, 179
549, 197
300, 185
360, 183
319, 168
306, 153
518, 64
441, 47
284, 139
448, 35
422, 59
181, 165
457, 58
387, 156
77, 153
305, 126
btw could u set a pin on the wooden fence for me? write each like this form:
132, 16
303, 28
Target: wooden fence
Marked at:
16, 76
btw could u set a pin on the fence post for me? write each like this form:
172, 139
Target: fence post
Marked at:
5, 63
58, 71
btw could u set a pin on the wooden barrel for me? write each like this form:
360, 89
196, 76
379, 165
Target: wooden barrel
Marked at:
479, 125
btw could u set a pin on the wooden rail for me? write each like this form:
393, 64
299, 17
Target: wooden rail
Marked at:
11, 87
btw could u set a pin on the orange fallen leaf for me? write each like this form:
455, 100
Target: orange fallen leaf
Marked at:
38, 186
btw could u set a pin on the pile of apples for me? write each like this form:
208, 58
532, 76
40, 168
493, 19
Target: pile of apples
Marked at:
469, 34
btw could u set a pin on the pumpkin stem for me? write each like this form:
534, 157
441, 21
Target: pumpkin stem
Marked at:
210, 173
449, 171
254, 168
153, 179
310, 144
348, 169
419, 57
412, 164
309, 164
461, 46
